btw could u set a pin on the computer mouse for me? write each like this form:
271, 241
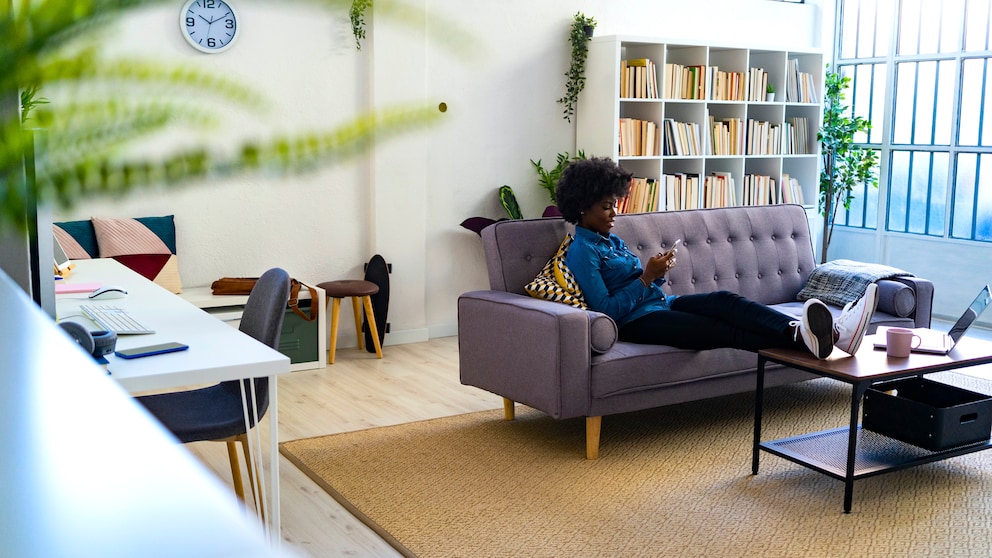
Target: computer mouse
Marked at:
108, 292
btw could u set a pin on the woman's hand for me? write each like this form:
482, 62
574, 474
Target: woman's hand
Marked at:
657, 266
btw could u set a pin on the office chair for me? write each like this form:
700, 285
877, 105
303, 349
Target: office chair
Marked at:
216, 412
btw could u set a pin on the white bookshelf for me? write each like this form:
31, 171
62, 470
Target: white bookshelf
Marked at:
601, 107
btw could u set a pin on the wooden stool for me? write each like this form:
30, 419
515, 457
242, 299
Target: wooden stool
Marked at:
357, 290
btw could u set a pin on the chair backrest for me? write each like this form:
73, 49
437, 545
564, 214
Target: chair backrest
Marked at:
262, 319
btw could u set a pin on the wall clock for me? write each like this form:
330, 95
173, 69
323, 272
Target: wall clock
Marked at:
209, 25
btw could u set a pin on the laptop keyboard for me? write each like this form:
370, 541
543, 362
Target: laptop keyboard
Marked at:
114, 319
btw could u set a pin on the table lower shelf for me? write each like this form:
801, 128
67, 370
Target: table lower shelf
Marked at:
826, 452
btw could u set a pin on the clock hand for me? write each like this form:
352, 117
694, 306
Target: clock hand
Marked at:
204, 19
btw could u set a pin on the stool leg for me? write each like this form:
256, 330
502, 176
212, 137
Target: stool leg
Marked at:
357, 307
335, 311
375, 331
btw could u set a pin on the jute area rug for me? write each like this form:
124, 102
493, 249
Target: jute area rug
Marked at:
674, 481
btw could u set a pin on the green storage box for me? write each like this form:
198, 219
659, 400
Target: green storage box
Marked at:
299, 337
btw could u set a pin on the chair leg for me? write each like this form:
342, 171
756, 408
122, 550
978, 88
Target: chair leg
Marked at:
356, 305
256, 483
333, 341
367, 300
232, 456
593, 427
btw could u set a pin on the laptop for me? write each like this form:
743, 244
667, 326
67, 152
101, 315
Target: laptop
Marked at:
938, 343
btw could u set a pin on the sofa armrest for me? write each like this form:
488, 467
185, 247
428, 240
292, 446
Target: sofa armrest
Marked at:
528, 350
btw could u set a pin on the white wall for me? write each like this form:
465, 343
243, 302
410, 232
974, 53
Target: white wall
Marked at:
407, 198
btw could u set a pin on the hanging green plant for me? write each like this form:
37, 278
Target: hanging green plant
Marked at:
357, 13
579, 36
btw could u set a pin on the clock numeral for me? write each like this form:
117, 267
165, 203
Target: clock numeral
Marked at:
190, 22
229, 23
209, 3
211, 42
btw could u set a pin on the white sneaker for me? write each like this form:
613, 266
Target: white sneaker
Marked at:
817, 328
853, 322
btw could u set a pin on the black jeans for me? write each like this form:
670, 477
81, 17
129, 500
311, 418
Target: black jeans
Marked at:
711, 321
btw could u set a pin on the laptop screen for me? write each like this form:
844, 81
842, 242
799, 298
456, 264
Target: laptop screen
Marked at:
978, 306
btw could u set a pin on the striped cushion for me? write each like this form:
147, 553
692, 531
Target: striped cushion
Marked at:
77, 239
146, 244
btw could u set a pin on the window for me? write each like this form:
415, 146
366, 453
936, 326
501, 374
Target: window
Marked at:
920, 71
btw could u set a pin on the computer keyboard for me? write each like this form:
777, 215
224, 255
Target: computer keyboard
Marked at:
114, 319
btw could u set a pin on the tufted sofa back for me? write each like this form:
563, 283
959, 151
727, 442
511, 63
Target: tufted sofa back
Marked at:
764, 253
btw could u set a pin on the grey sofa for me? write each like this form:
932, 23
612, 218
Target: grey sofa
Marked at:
567, 362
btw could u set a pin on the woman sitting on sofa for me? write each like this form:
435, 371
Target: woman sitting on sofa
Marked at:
614, 282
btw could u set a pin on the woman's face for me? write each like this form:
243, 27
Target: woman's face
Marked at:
599, 217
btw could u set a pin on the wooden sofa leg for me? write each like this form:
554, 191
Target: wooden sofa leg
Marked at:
508, 412
593, 427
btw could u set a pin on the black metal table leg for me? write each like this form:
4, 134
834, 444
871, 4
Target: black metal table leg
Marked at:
759, 393
857, 392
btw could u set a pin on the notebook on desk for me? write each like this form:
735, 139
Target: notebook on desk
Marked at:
936, 342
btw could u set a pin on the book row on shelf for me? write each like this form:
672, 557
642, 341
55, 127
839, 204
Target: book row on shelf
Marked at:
710, 83
639, 138
788, 138
727, 136
799, 86
762, 190
639, 80
682, 138
680, 191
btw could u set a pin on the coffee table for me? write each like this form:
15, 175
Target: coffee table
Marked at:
826, 451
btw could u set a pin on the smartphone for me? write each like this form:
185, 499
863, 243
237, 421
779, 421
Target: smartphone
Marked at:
149, 350
675, 246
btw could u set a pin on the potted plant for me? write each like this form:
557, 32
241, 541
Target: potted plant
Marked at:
357, 15
845, 163
770, 93
548, 178
580, 34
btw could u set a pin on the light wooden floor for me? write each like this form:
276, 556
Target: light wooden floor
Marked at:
412, 382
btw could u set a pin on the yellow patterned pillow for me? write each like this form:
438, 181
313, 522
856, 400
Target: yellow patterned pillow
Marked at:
556, 282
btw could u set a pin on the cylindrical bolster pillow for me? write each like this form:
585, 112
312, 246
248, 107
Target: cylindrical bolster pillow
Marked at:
602, 332
896, 298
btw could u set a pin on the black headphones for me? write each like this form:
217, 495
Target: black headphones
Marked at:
96, 343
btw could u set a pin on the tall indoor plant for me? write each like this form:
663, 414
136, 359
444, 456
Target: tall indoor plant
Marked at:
845, 163
579, 35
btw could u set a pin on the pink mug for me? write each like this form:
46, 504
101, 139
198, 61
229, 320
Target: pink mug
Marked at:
899, 342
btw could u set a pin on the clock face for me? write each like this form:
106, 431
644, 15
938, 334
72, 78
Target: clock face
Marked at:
209, 25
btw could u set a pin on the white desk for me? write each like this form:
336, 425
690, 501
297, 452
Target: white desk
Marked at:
87, 472
217, 352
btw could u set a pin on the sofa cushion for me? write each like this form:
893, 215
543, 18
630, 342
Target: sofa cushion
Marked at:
555, 282
146, 244
603, 332
77, 238
896, 298
630, 367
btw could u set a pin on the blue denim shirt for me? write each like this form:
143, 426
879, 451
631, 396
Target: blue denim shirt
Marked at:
608, 273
